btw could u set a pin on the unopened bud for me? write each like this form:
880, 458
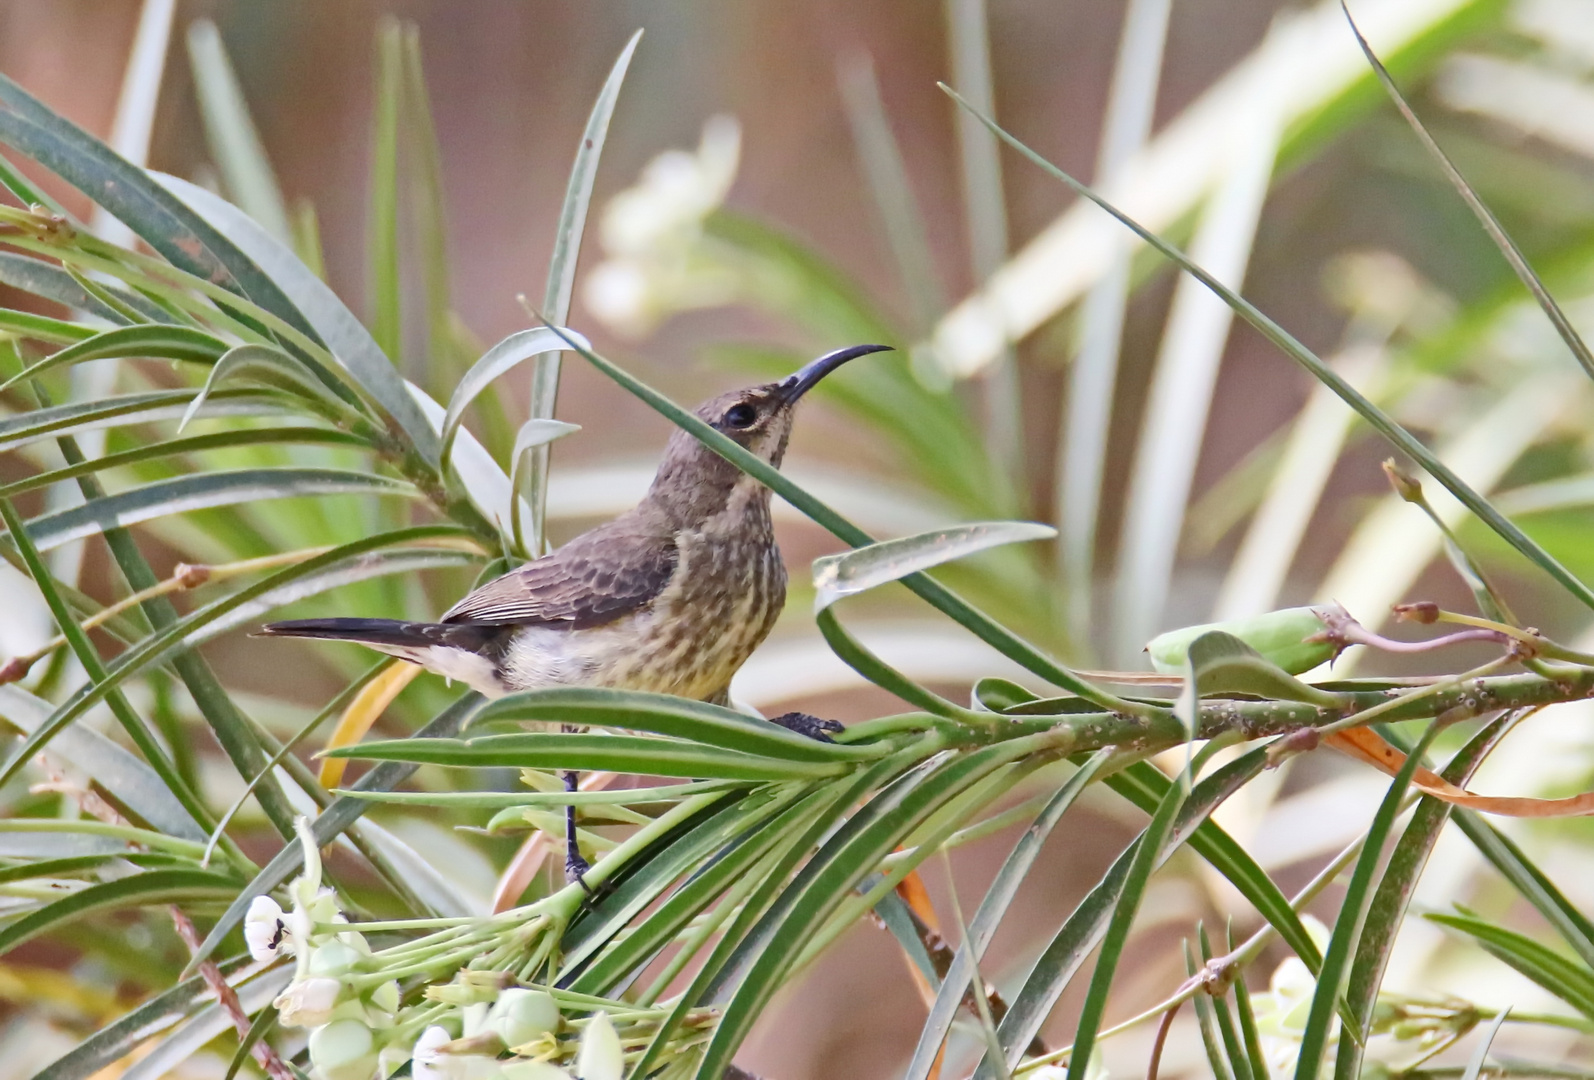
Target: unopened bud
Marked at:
1423, 611
1293, 638
308, 1002
523, 1016
191, 576
334, 960
343, 1050
601, 1056
1407, 486
14, 669
386, 997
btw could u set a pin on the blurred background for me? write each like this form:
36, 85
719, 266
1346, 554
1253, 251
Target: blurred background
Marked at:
1046, 370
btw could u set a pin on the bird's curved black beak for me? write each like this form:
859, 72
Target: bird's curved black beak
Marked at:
807, 377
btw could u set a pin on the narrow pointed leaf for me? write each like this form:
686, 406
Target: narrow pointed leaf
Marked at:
1566, 979
267, 366
163, 342
230, 132
151, 887
861, 569
1220, 663
501, 358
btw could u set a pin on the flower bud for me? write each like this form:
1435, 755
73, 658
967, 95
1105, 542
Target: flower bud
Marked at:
265, 929
523, 1016
333, 960
1282, 637
343, 1050
386, 997
601, 1056
308, 1002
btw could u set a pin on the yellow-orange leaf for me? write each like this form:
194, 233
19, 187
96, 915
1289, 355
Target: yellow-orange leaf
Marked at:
372, 700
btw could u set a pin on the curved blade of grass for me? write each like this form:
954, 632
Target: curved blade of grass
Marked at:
1387, 910
1347, 931
348, 340
427, 206
1375, 417
756, 970
128, 780
124, 409
230, 132
861, 569
1491, 224
164, 342
496, 362
25, 324
151, 887
1479, 1056
194, 444
182, 237
591, 753
823, 804
1571, 982
1529, 882
116, 1040
562, 273
329, 825
174, 637
50, 282
989, 917
182, 494
538, 431
1084, 927
382, 227
937, 595
663, 714
268, 366
203, 1027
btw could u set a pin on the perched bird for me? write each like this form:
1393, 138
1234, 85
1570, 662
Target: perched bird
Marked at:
670, 597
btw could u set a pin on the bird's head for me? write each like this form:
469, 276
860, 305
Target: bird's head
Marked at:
695, 480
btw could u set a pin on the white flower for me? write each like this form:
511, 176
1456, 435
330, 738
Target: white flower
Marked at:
521, 1016
601, 1056
343, 1050
430, 1062
308, 1002
265, 931
651, 234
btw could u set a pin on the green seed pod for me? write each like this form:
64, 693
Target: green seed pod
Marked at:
523, 1016
343, 1050
1282, 637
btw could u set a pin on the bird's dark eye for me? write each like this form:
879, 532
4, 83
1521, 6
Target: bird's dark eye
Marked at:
740, 416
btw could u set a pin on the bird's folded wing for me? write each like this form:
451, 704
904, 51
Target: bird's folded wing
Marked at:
592, 580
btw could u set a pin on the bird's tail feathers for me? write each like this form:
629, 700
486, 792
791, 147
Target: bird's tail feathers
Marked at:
385, 634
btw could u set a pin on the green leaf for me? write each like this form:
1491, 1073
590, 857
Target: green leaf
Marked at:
989, 916
1387, 910
864, 568
1491, 224
498, 360
664, 714
1530, 882
1220, 663
1375, 417
348, 340
1347, 931
151, 887
131, 195
224, 487
427, 206
538, 431
562, 270
25, 324
128, 780
1568, 980
591, 753
50, 282
230, 133
761, 961
1148, 854
194, 444
124, 409
382, 242
120, 1038
165, 342
328, 826
266, 365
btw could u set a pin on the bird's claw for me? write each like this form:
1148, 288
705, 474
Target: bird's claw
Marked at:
811, 726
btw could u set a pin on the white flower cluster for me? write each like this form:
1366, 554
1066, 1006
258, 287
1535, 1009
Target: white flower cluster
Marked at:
655, 264
357, 1029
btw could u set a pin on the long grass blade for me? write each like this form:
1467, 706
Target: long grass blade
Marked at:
382, 238
1486, 218
562, 275
1375, 417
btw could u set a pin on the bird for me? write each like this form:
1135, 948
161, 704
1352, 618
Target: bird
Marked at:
670, 597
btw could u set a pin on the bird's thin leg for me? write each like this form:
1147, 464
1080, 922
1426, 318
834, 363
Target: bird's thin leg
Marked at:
576, 867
